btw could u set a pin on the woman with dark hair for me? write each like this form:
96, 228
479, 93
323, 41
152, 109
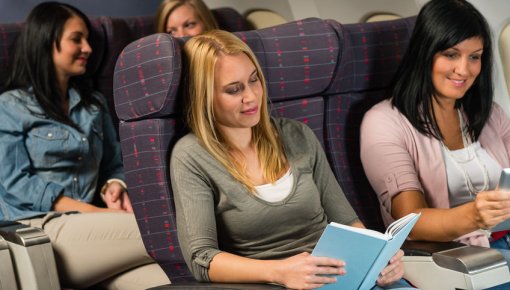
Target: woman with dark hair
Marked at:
441, 138
253, 194
58, 142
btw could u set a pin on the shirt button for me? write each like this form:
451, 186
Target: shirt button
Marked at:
80, 158
50, 135
75, 179
83, 139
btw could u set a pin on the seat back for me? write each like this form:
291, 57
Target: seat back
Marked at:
229, 19
8, 35
146, 86
371, 53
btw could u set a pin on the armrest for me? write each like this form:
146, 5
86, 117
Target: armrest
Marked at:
32, 255
7, 277
452, 265
21, 234
223, 286
419, 248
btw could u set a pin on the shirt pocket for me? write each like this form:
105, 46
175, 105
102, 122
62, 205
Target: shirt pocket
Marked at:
48, 145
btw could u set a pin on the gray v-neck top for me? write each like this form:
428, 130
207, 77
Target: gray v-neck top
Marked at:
216, 213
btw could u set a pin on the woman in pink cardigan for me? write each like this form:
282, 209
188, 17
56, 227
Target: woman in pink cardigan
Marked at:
438, 144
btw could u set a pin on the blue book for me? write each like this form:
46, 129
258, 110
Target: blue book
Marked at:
365, 252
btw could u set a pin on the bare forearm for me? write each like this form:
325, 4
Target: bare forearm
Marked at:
301, 271
231, 268
444, 224
64, 203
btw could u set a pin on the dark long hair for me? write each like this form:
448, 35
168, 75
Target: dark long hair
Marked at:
33, 65
442, 24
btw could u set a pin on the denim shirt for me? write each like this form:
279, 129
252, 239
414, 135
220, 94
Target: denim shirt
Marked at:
43, 158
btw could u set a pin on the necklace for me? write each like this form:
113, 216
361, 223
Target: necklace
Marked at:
470, 155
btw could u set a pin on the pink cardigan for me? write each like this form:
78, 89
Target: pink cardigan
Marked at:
396, 157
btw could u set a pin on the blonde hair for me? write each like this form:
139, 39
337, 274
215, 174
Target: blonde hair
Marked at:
168, 6
203, 52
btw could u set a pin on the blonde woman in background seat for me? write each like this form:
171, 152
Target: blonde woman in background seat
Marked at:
182, 18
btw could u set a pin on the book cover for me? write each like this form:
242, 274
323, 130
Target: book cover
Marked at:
366, 252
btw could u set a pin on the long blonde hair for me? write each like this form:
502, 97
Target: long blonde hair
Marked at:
168, 6
203, 52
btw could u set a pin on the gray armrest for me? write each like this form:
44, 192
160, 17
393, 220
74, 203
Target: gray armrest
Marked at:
32, 255
431, 265
7, 277
414, 248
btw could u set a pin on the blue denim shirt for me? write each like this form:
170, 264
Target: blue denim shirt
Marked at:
43, 158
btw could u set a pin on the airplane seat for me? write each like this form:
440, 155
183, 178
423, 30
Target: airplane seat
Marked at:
263, 18
371, 53
370, 56
324, 74
504, 51
8, 34
229, 19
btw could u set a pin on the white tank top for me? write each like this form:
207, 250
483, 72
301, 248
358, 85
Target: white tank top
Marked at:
457, 159
273, 192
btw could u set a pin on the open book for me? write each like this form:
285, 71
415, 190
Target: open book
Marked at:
365, 252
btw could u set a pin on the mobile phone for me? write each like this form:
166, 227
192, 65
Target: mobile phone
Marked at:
504, 184
504, 180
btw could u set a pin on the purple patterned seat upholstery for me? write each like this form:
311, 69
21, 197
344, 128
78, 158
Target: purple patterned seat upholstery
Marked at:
8, 35
229, 19
146, 81
370, 56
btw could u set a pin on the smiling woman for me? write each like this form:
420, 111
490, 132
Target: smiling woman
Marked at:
440, 136
58, 140
455, 70
71, 53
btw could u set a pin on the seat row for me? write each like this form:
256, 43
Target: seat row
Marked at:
320, 72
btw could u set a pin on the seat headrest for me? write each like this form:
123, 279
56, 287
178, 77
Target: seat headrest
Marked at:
147, 76
8, 34
98, 44
229, 19
372, 54
298, 58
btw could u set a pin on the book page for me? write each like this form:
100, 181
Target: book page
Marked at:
399, 224
367, 232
